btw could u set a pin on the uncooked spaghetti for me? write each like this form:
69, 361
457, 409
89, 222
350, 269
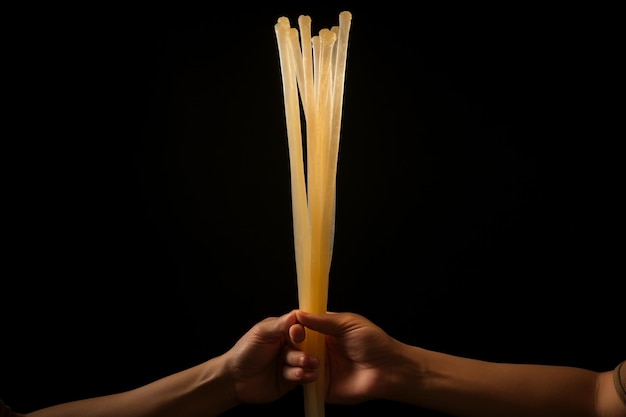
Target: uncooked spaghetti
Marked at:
313, 74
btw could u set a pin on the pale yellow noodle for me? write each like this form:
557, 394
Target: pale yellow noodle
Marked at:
301, 223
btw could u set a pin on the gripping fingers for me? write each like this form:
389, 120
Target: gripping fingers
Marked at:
299, 367
299, 375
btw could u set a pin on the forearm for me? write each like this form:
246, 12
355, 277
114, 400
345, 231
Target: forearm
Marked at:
468, 387
203, 390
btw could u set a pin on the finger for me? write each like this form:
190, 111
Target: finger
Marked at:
330, 324
297, 333
277, 327
299, 375
297, 358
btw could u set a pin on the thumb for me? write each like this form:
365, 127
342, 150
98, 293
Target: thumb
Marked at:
276, 327
329, 323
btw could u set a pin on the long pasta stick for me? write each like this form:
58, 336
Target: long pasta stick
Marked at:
340, 62
317, 173
312, 69
292, 69
301, 222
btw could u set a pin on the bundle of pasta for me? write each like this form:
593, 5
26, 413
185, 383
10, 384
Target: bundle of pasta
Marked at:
313, 73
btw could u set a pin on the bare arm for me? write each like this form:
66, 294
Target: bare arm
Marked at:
201, 390
259, 368
365, 363
468, 387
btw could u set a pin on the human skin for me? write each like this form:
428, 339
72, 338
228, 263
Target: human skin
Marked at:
365, 363
261, 367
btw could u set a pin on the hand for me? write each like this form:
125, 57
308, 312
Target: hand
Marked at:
265, 365
359, 356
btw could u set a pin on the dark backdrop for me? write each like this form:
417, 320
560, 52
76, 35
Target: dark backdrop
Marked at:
147, 205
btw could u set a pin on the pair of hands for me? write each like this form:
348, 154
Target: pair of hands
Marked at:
265, 363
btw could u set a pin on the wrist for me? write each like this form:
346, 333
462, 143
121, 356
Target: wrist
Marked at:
407, 377
215, 382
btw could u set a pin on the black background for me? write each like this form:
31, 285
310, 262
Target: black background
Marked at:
147, 206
